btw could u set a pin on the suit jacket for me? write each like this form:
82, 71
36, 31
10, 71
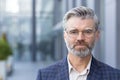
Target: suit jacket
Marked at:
98, 71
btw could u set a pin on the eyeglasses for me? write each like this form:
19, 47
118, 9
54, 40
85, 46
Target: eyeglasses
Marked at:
75, 33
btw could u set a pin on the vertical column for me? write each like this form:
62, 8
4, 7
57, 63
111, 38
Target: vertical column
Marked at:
98, 48
33, 31
91, 4
84, 2
57, 10
73, 3
110, 32
118, 33
70, 4
78, 3
64, 7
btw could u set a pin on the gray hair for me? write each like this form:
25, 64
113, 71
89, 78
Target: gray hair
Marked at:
83, 13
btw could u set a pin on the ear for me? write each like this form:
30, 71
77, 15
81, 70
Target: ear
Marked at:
65, 35
97, 35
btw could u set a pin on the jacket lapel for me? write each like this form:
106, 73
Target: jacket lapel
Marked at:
94, 73
63, 72
94, 70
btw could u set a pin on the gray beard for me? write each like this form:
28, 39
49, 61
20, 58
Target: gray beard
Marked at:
81, 53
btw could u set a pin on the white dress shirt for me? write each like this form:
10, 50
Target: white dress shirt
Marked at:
75, 75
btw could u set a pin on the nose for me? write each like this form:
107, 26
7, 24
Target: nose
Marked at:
80, 36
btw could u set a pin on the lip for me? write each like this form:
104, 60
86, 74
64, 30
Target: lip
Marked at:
80, 46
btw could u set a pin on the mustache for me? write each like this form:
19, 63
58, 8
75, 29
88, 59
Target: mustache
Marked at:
81, 43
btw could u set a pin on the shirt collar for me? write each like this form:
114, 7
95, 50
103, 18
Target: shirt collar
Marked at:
87, 69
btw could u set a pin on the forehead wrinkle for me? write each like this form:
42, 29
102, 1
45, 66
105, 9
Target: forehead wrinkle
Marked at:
74, 28
76, 23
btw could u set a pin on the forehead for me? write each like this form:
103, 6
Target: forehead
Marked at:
79, 23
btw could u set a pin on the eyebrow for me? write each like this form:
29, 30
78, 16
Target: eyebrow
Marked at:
78, 29
89, 28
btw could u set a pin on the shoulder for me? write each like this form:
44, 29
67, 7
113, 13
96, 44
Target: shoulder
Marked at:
107, 69
51, 68
48, 72
54, 67
51, 71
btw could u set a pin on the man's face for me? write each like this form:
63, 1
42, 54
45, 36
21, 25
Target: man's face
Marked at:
80, 36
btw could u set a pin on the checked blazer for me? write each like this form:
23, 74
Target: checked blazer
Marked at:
98, 71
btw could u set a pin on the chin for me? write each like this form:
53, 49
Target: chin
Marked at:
81, 52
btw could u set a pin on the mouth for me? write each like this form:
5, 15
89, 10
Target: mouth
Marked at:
79, 47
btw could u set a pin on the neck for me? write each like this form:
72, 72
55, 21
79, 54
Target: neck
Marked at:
79, 63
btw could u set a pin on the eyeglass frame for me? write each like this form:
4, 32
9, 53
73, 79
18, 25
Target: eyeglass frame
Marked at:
85, 33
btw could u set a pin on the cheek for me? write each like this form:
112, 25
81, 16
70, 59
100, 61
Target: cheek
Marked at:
69, 41
90, 41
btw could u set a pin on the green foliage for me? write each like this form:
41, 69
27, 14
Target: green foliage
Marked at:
5, 50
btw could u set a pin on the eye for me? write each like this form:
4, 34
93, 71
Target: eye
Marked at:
73, 32
89, 31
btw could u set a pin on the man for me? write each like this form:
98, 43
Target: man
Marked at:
81, 31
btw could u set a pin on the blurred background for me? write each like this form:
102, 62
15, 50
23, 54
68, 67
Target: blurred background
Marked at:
33, 31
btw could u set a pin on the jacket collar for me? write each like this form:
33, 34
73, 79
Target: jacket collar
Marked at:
64, 71
95, 65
